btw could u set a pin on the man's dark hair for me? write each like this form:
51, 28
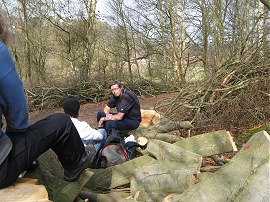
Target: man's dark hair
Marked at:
119, 84
71, 106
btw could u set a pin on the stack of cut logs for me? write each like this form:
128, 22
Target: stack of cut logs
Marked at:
169, 168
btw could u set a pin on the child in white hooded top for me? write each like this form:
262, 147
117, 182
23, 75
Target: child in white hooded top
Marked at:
89, 136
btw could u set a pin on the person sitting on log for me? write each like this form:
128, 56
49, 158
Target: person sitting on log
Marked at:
90, 137
128, 115
21, 143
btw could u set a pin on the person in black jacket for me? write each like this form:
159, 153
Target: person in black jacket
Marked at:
128, 115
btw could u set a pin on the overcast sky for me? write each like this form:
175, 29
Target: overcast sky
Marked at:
101, 6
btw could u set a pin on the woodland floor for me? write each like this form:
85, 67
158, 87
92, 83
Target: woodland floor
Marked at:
88, 113
241, 135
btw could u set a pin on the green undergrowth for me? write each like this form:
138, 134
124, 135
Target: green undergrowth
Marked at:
243, 137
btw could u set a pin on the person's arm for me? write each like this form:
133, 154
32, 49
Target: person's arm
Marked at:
107, 110
115, 117
85, 131
11, 89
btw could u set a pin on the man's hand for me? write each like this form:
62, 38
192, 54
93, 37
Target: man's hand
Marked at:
100, 123
109, 117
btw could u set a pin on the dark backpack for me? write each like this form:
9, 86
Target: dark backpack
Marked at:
115, 151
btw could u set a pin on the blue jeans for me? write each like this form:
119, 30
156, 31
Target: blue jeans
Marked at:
124, 124
99, 143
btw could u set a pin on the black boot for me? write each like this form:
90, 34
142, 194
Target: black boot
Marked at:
72, 175
33, 166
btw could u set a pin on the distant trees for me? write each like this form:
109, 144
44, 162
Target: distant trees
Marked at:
166, 40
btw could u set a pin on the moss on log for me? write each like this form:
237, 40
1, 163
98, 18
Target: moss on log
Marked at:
115, 176
70, 192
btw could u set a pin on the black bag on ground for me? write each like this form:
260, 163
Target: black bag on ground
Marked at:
115, 151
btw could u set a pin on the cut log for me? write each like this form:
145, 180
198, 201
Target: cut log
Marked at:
202, 176
119, 175
235, 177
167, 137
101, 197
151, 133
26, 190
257, 189
49, 173
209, 144
70, 191
154, 182
165, 151
210, 169
149, 117
162, 130
167, 125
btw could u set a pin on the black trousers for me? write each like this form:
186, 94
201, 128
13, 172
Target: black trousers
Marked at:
56, 132
124, 124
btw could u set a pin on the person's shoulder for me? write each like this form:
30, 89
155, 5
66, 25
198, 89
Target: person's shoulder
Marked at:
3, 47
130, 93
74, 119
126, 91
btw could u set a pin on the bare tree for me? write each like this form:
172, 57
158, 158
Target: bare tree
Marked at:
120, 18
266, 4
26, 31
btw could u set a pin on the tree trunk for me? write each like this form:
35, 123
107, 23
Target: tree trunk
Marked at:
166, 151
99, 197
205, 35
117, 175
209, 144
154, 182
162, 129
70, 192
234, 180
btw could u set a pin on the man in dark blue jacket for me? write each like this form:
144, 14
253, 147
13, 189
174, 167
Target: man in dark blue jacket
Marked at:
21, 144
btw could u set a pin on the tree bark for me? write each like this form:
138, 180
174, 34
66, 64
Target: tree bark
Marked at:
210, 168
70, 192
266, 3
234, 179
209, 144
117, 175
166, 151
99, 197
24, 189
167, 137
257, 189
162, 130
155, 181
